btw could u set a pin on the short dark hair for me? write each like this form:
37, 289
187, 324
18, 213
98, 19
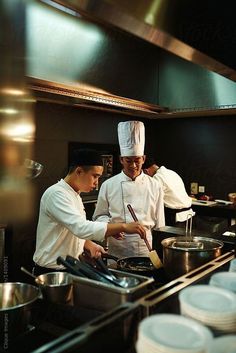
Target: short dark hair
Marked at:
85, 158
149, 161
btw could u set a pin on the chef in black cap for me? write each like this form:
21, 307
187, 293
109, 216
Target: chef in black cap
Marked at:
62, 226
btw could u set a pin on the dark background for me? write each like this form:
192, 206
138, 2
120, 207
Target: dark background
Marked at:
200, 149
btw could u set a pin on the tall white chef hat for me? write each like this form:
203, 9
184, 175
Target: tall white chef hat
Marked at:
131, 135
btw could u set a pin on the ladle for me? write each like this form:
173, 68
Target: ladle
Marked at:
30, 274
189, 242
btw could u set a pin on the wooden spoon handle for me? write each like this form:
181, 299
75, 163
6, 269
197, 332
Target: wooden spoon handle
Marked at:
135, 218
130, 208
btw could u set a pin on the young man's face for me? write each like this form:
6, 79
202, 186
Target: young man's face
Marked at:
88, 178
132, 166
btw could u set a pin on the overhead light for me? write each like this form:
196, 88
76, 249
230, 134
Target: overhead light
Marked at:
12, 91
9, 111
20, 130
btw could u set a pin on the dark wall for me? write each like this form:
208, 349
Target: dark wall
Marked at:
199, 149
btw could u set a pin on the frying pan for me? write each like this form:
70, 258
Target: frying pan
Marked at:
136, 265
139, 265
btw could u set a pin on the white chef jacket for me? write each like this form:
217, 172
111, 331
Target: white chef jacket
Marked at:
145, 196
175, 195
62, 221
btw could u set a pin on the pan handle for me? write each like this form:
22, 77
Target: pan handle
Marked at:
69, 267
111, 257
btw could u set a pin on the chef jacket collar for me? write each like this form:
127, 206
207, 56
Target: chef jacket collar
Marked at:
68, 187
138, 179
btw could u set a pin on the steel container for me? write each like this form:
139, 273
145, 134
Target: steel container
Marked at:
104, 297
15, 304
56, 286
178, 261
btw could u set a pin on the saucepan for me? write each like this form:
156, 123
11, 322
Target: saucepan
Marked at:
15, 308
180, 260
184, 254
55, 286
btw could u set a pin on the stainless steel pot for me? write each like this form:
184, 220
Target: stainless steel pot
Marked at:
56, 286
178, 261
15, 303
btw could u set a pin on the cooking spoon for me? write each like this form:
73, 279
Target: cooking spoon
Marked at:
152, 253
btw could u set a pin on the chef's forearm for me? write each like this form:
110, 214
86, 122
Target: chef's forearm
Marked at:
102, 218
115, 228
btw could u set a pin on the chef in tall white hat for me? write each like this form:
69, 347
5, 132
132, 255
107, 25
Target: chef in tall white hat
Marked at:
133, 187
131, 135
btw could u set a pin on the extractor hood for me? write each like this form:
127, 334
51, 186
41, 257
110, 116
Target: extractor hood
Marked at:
92, 98
202, 32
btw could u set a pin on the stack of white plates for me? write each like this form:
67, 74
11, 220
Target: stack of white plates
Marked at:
225, 280
212, 306
223, 344
232, 265
169, 333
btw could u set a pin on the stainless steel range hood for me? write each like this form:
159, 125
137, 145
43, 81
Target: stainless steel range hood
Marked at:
84, 96
203, 33
72, 60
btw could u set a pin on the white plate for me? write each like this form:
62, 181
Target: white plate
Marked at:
230, 328
209, 299
232, 265
223, 344
175, 333
220, 317
224, 280
204, 203
224, 202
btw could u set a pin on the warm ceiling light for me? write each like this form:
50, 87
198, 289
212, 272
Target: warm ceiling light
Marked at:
21, 130
13, 91
9, 111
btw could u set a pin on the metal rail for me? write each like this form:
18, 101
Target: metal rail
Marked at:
149, 301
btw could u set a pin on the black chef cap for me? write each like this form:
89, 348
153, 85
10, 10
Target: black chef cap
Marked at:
86, 157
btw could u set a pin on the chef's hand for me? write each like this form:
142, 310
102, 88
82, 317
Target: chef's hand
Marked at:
93, 249
119, 236
136, 227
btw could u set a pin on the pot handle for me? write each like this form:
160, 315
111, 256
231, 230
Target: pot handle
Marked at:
188, 228
69, 267
110, 257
